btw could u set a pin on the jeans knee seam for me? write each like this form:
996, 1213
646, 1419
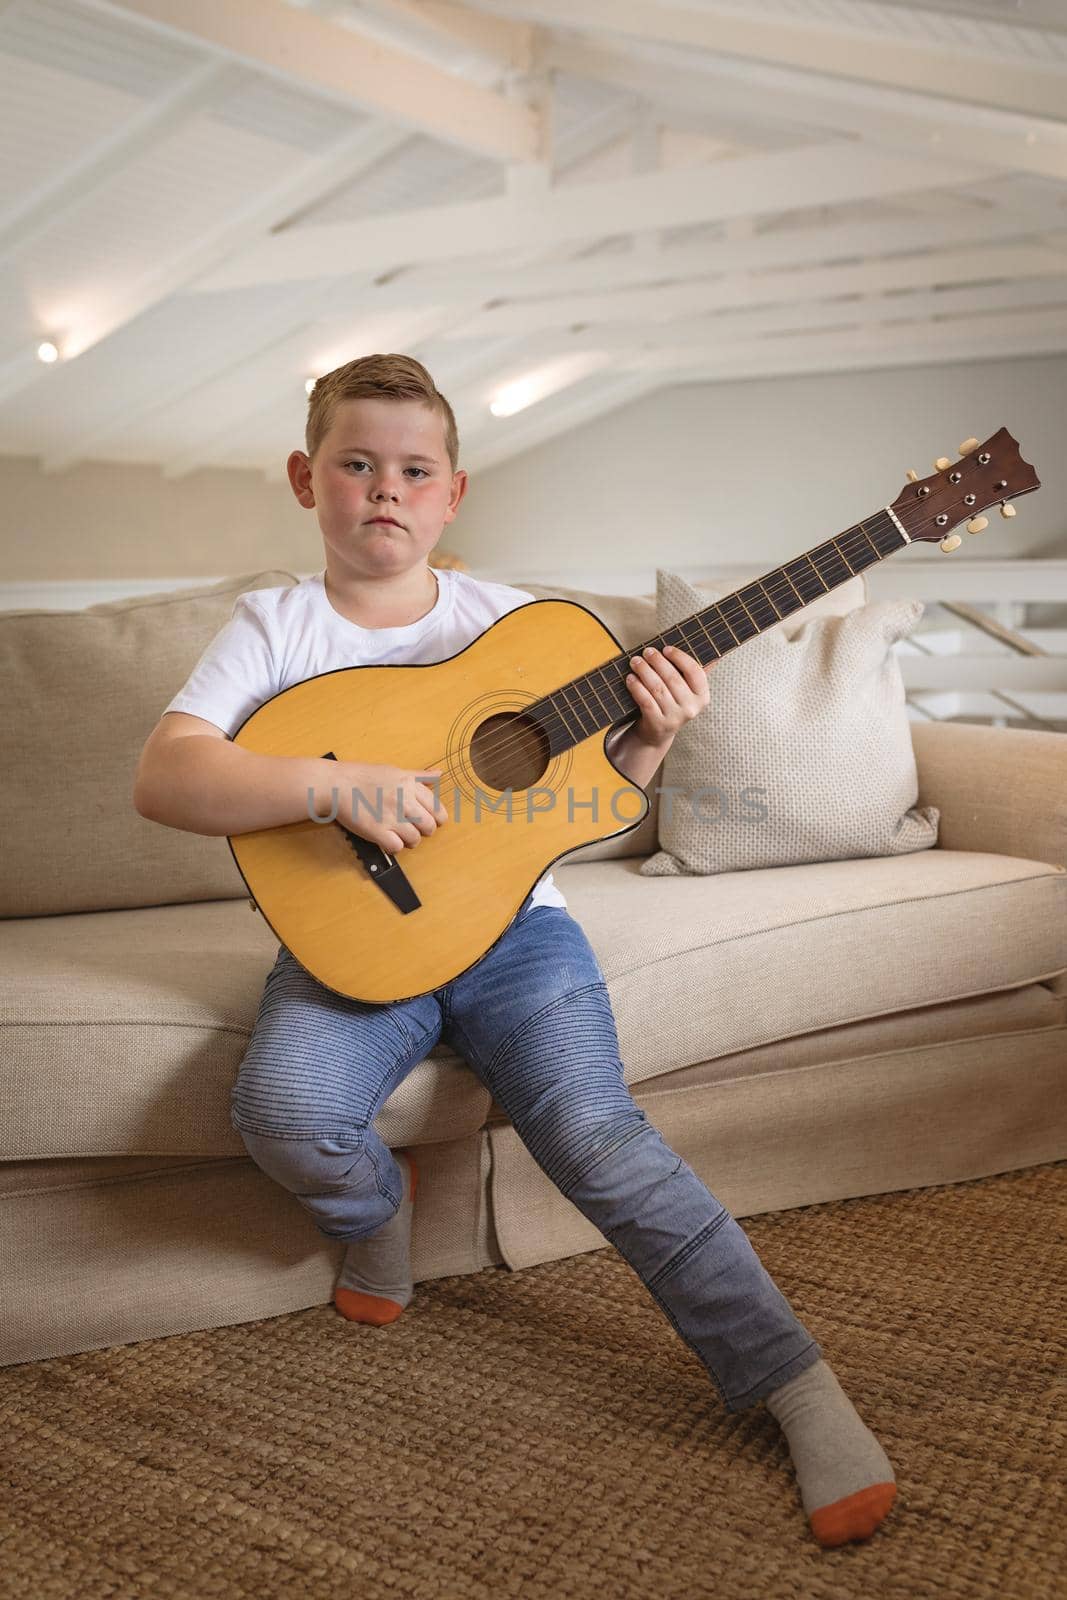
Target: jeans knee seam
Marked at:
602, 1155
682, 1256
298, 1138
528, 1022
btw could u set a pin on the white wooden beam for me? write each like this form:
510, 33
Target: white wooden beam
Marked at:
792, 247
967, 340
650, 309
674, 86
815, 175
726, 88
939, 71
505, 41
37, 211
359, 73
1030, 14
898, 312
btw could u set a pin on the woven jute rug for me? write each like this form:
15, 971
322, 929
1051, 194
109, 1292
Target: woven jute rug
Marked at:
547, 1434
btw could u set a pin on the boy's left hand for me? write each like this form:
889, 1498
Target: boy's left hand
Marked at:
671, 688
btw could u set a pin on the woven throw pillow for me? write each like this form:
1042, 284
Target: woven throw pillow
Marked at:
804, 752
84, 691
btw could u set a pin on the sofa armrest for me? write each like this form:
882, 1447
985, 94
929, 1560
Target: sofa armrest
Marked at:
1002, 790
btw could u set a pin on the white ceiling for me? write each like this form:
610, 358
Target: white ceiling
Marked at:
204, 206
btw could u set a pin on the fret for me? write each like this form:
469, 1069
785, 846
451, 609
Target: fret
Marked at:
717, 630
742, 599
699, 645
758, 606
833, 568
620, 700
800, 601
768, 596
576, 711
872, 552
866, 554
697, 648
806, 579
595, 688
844, 557
586, 709
739, 622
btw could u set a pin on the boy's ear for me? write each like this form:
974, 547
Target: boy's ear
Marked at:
298, 467
459, 489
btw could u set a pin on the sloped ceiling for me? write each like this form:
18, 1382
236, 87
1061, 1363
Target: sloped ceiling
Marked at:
202, 207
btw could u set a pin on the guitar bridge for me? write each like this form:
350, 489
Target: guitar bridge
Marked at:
385, 869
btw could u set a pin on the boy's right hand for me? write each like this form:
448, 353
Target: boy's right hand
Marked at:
390, 806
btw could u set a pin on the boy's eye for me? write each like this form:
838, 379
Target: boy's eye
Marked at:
367, 463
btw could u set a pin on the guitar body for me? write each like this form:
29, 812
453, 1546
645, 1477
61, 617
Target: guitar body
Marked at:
473, 873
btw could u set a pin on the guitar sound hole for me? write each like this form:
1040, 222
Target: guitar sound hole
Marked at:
509, 751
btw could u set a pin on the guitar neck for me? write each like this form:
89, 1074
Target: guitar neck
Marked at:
600, 699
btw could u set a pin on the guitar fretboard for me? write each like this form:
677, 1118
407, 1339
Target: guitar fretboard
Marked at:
600, 699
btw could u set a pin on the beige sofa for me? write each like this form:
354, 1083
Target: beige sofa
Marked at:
798, 1034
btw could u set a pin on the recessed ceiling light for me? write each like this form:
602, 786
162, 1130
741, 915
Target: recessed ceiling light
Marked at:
548, 379
47, 351
514, 398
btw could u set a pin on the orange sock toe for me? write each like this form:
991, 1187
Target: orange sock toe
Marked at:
360, 1307
855, 1517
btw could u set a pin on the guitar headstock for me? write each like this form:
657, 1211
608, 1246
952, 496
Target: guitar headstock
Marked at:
989, 474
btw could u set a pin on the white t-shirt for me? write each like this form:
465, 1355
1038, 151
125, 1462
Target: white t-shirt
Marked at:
278, 637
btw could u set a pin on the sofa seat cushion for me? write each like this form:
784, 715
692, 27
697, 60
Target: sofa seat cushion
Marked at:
700, 967
123, 1030
121, 1033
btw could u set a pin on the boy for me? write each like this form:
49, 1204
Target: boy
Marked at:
531, 1018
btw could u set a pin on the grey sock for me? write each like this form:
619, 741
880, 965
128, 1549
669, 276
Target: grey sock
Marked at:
846, 1482
375, 1282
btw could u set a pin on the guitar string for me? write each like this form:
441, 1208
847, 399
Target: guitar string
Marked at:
554, 720
504, 742
782, 589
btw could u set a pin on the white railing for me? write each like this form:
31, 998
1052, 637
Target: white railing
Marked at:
972, 656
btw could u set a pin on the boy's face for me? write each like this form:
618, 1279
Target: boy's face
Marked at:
365, 468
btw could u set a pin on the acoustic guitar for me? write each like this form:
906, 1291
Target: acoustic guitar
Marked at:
517, 723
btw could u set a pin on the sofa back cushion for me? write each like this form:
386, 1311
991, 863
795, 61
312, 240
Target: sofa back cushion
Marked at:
632, 620
84, 691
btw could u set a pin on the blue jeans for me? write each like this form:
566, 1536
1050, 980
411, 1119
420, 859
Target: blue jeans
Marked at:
533, 1021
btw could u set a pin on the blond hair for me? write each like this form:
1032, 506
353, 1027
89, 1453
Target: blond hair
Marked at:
390, 377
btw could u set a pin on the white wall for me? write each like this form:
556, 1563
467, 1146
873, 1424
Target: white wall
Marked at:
693, 476
752, 473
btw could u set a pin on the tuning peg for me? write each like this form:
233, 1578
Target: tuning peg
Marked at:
913, 477
953, 542
941, 463
976, 524
967, 446
1007, 511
